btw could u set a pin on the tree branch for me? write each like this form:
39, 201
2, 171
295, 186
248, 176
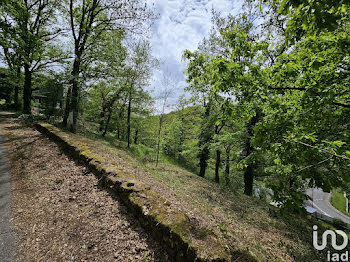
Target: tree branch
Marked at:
341, 104
307, 167
320, 149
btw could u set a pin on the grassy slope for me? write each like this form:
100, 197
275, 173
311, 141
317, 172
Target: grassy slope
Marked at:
243, 222
339, 202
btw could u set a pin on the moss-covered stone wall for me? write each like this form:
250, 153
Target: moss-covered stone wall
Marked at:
184, 240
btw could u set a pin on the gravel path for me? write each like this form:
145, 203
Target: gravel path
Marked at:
60, 212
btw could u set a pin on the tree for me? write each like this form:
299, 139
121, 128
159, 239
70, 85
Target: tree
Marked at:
140, 62
167, 89
306, 100
32, 28
88, 20
6, 85
307, 104
104, 96
311, 17
109, 58
49, 85
228, 140
143, 107
198, 77
12, 59
233, 69
174, 137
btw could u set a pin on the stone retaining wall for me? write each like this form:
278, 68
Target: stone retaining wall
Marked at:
185, 241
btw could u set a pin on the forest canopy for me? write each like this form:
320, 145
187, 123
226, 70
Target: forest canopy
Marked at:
267, 105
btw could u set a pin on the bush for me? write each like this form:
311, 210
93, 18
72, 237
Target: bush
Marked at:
6, 106
30, 118
141, 151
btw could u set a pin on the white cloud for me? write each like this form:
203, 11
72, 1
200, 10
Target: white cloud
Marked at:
182, 25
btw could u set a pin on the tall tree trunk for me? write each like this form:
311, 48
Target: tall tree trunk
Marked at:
75, 94
107, 122
227, 168
67, 107
136, 136
175, 147
248, 171
217, 165
158, 141
102, 119
27, 90
248, 180
248, 149
129, 117
203, 142
218, 156
120, 116
18, 78
203, 161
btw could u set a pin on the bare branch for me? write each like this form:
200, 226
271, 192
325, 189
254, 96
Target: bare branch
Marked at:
307, 167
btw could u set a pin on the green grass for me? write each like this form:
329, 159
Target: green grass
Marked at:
338, 201
140, 151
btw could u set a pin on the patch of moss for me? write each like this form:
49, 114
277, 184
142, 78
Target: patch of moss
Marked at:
99, 158
126, 186
83, 148
182, 230
124, 176
137, 199
111, 181
86, 155
96, 168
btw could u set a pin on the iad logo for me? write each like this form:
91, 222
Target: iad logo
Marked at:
333, 236
333, 239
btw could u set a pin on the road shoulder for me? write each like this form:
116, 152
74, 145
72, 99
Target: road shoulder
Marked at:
7, 236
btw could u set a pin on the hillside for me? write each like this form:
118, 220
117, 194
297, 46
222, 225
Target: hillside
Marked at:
174, 130
246, 225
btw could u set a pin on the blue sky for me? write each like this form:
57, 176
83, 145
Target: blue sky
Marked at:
182, 24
